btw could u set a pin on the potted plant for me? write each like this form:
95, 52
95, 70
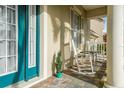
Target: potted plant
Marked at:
58, 63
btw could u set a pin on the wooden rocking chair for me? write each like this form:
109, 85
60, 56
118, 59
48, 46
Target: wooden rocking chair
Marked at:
83, 62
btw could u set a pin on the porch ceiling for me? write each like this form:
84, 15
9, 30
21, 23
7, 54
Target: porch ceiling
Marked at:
90, 7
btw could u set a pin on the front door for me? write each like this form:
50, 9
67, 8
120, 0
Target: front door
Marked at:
11, 46
19, 43
32, 42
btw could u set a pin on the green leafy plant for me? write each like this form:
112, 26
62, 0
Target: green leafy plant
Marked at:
59, 62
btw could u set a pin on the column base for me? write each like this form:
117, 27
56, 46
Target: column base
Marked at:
106, 85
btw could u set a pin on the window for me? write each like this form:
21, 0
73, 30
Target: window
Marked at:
76, 28
8, 39
82, 34
32, 36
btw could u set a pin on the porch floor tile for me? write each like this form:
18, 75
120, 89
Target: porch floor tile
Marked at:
67, 81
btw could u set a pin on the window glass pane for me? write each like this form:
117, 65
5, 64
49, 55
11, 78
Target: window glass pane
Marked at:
8, 15
11, 16
3, 48
33, 17
30, 16
2, 65
32, 36
71, 19
32, 33
11, 64
2, 31
11, 32
29, 60
32, 61
76, 25
12, 6
11, 47
2, 13
33, 10
32, 47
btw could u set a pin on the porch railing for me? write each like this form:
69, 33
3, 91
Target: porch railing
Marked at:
99, 47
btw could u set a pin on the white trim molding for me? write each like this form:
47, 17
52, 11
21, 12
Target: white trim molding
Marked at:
45, 40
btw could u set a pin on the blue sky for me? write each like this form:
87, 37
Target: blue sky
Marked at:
105, 24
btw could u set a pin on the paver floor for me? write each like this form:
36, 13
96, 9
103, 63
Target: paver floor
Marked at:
72, 79
66, 81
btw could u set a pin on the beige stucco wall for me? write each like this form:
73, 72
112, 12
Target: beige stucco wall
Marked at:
59, 32
97, 26
97, 12
94, 24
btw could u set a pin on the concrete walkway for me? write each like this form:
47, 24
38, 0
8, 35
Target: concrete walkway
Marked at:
66, 81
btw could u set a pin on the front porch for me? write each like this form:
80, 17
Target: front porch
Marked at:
91, 58
73, 79
69, 80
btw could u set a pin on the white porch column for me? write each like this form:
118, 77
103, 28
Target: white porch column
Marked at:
115, 52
